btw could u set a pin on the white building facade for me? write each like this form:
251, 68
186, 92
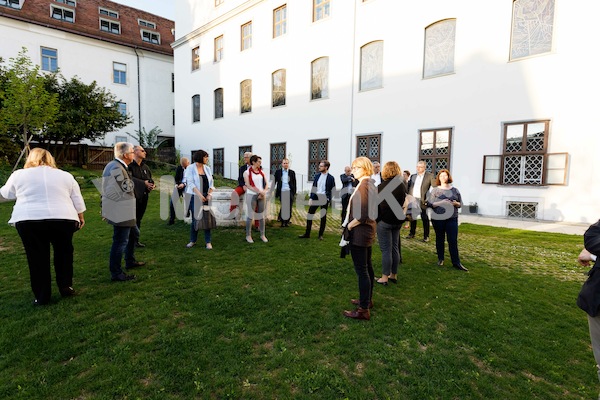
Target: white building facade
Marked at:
141, 78
494, 93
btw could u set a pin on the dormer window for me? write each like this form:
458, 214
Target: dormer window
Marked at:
147, 24
62, 14
110, 26
71, 3
11, 3
150, 37
108, 13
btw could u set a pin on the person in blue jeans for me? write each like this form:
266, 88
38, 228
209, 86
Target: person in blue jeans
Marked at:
445, 201
199, 185
390, 216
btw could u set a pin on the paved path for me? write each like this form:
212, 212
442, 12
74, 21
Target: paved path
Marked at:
539, 226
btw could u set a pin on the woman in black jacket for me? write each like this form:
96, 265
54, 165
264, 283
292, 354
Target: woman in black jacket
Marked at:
390, 216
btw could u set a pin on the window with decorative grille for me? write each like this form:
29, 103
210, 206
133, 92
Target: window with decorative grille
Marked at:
277, 155
317, 151
524, 210
369, 146
434, 148
218, 161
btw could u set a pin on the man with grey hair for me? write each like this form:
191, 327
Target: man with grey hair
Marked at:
118, 208
377, 173
418, 186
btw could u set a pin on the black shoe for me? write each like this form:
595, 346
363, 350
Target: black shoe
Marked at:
122, 278
171, 222
67, 291
411, 236
136, 264
305, 236
440, 262
426, 239
138, 244
37, 302
460, 267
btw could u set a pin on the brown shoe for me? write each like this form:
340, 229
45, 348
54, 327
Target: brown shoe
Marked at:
359, 313
356, 302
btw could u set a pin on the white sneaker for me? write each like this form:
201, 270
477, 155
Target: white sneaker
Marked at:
249, 239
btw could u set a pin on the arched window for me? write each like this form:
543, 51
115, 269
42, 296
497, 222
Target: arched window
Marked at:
371, 65
532, 27
196, 108
439, 48
246, 96
319, 78
219, 103
278, 88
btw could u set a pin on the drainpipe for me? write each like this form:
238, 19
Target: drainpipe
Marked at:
352, 86
137, 56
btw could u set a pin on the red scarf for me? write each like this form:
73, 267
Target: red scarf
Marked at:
251, 171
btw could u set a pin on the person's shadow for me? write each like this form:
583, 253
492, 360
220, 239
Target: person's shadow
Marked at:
553, 214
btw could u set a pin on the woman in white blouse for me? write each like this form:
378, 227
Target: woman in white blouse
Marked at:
257, 187
48, 210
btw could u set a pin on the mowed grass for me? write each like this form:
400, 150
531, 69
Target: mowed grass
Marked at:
264, 321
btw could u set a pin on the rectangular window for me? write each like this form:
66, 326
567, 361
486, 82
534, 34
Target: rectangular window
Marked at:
172, 83
219, 103
173, 117
108, 13
219, 48
11, 3
278, 88
71, 3
122, 107
63, 14
49, 59
321, 9
218, 161
317, 151
278, 151
150, 37
369, 146
280, 21
525, 159
195, 58
196, 108
120, 139
247, 36
110, 26
147, 24
119, 73
242, 150
434, 149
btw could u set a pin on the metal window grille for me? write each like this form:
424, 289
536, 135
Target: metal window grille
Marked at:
522, 210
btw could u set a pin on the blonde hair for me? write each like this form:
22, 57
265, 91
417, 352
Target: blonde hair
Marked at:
38, 157
365, 164
390, 170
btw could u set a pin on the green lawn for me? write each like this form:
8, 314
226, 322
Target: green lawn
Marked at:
264, 321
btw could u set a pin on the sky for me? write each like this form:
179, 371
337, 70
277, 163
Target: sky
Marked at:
159, 7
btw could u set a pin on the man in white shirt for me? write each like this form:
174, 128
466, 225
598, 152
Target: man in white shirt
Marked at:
377, 174
418, 186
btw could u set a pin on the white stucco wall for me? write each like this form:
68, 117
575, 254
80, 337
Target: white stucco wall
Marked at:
485, 90
91, 60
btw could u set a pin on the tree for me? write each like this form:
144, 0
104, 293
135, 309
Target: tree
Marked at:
26, 105
85, 112
148, 139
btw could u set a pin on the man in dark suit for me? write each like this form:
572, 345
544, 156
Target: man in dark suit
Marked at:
348, 185
418, 186
320, 196
285, 190
179, 185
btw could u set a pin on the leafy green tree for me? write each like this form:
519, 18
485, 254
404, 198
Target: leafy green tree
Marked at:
86, 111
27, 107
149, 140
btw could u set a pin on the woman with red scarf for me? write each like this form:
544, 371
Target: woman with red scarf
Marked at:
257, 186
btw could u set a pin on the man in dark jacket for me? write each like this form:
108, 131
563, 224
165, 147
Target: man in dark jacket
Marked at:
285, 190
418, 186
320, 196
142, 185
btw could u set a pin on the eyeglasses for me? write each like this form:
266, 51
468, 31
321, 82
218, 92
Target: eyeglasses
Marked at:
356, 167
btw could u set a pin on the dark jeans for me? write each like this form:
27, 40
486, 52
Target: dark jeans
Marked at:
447, 228
363, 266
311, 211
345, 202
140, 209
425, 218
388, 236
37, 236
124, 240
287, 205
